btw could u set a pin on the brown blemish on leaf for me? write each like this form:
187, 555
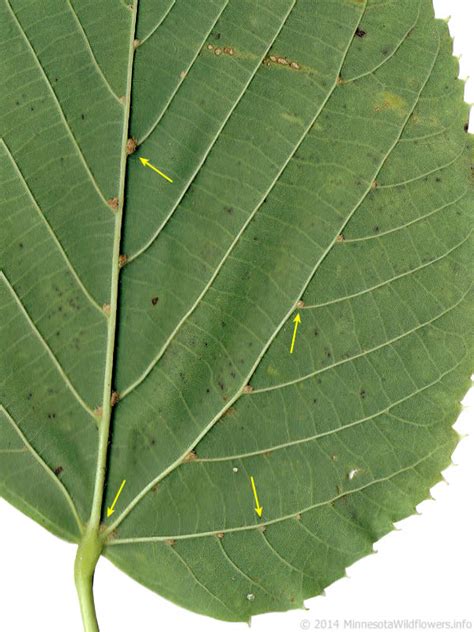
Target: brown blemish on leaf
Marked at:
340, 238
122, 260
154, 300
267, 453
360, 33
247, 388
123, 99
228, 50
98, 412
154, 489
298, 516
113, 203
170, 542
190, 456
300, 304
58, 470
281, 61
106, 309
218, 51
220, 535
374, 185
262, 528
339, 81
136, 43
229, 412
114, 398
183, 74
131, 146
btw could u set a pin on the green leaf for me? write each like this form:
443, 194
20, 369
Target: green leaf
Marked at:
320, 168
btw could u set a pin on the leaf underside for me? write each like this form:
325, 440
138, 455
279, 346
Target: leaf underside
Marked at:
318, 154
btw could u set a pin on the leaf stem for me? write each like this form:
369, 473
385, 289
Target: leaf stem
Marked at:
88, 553
91, 544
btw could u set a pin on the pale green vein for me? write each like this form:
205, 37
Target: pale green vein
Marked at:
58, 105
266, 523
241, 571
91, 53
394, 278
45, 345
159, 23
199, 582
363, 354
281, 446
424, 175
52, 233
392, 54
402, 226
282, 559
29, 448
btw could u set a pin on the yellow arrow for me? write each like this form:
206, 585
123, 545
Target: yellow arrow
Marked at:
111, 509
258, 508
146, 163
296, 320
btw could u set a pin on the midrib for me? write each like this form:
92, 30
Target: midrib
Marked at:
104, 426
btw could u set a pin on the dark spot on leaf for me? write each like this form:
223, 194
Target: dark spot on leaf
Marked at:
376, 229
58, 470
20, 245
360, 33
363, 394
466, 127
438, 179
83, 116
154, 300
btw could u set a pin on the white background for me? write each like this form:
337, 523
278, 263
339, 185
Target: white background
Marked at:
423, 571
